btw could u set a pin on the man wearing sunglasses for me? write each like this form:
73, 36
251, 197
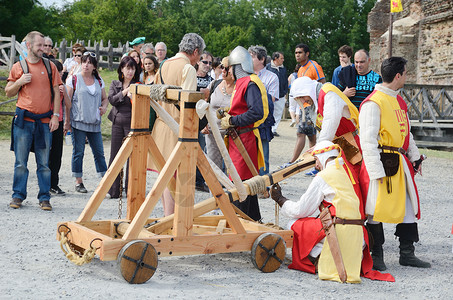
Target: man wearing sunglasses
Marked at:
203, 67
48, 48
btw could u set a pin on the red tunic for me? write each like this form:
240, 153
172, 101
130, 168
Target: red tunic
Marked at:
249, 138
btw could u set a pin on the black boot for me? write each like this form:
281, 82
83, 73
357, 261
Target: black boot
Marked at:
377, 253
408, 234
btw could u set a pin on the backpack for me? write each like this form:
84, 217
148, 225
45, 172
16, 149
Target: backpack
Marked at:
24, 66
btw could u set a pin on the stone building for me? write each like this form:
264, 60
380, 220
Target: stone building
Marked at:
422, 33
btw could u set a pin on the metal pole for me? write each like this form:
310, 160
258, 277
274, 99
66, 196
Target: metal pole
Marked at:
390, 35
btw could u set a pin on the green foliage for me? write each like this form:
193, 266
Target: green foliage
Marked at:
279, 25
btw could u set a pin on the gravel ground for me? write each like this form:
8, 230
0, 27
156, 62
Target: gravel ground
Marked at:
34, 267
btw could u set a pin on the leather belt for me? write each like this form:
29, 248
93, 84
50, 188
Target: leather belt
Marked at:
337, 220
400, 150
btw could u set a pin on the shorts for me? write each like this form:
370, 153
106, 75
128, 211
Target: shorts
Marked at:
304, 128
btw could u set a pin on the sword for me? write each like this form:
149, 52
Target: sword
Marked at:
232, 132
331, 235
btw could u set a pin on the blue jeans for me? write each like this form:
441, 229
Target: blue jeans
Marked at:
78, 150
23, 138
266, 157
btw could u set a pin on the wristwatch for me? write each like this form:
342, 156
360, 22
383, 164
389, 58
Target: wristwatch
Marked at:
56, 114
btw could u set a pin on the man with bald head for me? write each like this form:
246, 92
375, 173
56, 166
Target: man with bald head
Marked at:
357, 81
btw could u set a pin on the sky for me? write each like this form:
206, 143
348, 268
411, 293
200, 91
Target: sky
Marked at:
58, 3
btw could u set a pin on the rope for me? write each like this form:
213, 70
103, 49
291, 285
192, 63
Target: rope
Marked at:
73, 257
256, 184
158, 92
174, 126
203, 109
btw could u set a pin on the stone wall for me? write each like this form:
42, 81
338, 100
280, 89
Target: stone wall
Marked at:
422, 33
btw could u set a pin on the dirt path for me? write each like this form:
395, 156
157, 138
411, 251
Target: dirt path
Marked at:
34, 267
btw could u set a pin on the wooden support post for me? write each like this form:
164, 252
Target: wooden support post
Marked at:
222, 199
147, 207
106, 182
136, 190
185, 180
110, 57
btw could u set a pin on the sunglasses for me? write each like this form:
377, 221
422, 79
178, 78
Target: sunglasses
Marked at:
90, 54
207, 62
78, 55
224, 68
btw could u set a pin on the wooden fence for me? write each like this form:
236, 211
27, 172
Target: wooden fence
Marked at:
108, 56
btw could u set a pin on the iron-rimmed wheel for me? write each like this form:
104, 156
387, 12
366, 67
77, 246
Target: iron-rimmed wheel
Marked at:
268, 252
137, 261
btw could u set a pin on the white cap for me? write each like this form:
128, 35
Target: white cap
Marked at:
304, 86
325, 149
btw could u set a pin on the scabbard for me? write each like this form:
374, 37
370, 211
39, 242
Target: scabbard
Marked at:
331, 235
237, 141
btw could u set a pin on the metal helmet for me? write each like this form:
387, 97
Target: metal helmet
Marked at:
240, 56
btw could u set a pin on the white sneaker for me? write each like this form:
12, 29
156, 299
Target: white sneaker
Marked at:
292, 123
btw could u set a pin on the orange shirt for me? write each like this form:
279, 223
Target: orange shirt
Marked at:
35, 96
311, 69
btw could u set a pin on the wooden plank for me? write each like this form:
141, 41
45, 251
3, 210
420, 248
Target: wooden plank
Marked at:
122, 228
185, 178
106, 182
159, 162
205, 229
147, 207
172, 94
222, 200
195, 245
210, 220
221, 227
199, 209
185, 189
254, 226
83, 236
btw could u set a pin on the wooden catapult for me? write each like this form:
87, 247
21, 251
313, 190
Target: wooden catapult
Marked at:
137, 241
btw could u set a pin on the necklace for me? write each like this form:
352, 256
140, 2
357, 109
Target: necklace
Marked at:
224, 91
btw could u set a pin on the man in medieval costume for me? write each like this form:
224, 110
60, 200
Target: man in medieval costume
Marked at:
336, 241
337, 120
248, 109
389, 156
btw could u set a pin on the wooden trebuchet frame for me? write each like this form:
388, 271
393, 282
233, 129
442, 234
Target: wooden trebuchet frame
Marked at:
188, 231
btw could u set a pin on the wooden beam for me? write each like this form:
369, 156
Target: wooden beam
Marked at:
222, 200
106, 182
156, 192
195, 245
159, 162
136, 190
172, 94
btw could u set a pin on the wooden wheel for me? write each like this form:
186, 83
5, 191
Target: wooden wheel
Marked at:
268, 252
137, 261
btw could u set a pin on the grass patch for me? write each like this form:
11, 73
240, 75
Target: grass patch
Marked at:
436, 153
5, 121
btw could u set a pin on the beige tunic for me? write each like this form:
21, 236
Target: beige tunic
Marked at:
175, 71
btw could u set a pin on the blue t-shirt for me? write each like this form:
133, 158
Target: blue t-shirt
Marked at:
335, 80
